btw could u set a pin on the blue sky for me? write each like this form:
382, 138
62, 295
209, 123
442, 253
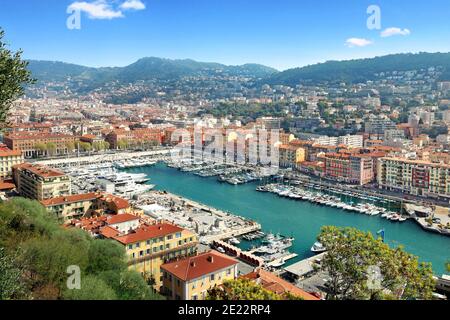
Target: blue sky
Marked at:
281, 33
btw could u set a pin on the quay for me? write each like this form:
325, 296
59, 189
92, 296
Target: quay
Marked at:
210, 223
104, 158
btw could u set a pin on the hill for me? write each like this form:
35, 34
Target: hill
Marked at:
144, 69
361, 70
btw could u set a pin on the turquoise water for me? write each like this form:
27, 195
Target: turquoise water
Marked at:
302, 220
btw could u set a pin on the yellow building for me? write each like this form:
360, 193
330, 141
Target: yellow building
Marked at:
40, 182
150, 246
191, 278
291, 156
8, 159
85, 205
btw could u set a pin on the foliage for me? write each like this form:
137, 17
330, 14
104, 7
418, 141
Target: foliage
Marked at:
10, 273
252, 111
352, 256
106, 255
92, 288
13, 75
35, 252
241, 289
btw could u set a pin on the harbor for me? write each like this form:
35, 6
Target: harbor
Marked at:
301, 219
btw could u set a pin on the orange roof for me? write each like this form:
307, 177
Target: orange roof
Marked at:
6, 185
149, 232
40, 170
70, 199
109, 232
6, 152
277, 285
198, 266
119, 202
120, 218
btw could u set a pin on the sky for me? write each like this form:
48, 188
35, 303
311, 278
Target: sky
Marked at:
278, 33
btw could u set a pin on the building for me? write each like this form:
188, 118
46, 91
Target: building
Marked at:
40, 182
138, 137
8, 159
379, 126
151, 245
349, 168
291, 156
33, 144
272, 282
191, 278
85, 205
415, 177
352, 141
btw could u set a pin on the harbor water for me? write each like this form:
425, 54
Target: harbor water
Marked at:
302, 220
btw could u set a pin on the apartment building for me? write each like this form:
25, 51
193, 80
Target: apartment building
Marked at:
151, 245
415, 177
191, 278
40, 182
349, 168
291, 156
33, 144
136, 137
8, 159
85, 205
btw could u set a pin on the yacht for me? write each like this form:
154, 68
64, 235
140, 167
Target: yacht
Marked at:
234, 241
318, 248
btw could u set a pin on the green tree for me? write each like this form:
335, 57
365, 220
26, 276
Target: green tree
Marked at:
133, 287
92, 288
353, 256
51, 148
70, 147
105, 255
11, 286
241, 289
13, 76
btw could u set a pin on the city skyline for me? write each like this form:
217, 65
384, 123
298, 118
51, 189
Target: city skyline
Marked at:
293, 34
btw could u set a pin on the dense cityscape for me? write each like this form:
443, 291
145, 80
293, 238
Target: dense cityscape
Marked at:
183, 180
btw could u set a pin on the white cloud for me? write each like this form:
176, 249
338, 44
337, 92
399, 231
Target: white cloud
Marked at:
132, 5
389, 32
99, 9
357, 42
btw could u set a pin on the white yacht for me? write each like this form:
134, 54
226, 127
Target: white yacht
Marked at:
318, 247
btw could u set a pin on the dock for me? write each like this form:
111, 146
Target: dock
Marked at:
305, 267
282, 259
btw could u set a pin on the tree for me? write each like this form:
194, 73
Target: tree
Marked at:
85, 146
42, 147
51, 148
92, 288
105, 255
10, 278
13, 75
70, 147
241, 289
354, 258
133, 287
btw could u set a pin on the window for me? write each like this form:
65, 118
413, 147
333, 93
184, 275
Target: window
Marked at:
138, 245
167, 246
148, 251
148, 242
161, 247
169, 237
228, 272
194, 297
130, 246
141, 253
212, 277
178, 235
